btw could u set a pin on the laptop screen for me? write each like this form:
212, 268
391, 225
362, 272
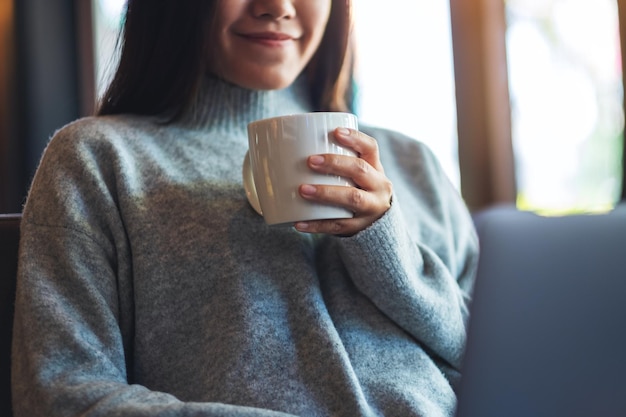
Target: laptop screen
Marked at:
547, 331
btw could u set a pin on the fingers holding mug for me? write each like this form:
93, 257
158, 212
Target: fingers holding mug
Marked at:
368, 200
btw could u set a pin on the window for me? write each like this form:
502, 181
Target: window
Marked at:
566, 101
406, 72
565, 88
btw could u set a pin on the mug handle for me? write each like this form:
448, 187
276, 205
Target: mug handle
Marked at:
248, 185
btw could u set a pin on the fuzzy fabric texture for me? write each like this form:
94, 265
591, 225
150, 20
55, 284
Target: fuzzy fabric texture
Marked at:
148, 286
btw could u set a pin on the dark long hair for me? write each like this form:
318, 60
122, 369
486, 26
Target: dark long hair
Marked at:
163, 53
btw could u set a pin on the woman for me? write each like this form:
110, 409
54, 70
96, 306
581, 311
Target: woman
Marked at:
149, 287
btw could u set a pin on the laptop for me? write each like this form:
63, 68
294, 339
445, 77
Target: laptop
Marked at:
547, 331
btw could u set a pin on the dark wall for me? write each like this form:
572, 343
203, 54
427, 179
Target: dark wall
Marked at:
45, 90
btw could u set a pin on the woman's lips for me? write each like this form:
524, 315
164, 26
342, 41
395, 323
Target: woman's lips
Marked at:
269, 38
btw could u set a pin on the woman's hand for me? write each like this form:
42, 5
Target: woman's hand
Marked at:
369, 200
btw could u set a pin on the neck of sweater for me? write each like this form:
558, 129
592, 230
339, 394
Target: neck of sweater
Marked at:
227, 107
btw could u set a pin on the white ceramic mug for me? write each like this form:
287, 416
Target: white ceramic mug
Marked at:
276, 165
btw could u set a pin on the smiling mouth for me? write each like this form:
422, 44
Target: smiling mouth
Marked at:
269, 39
270, 36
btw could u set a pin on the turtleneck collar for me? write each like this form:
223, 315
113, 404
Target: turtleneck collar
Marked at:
225, 106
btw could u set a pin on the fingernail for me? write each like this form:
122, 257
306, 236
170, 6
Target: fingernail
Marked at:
345, 136
308, 189
316, 160
301, 226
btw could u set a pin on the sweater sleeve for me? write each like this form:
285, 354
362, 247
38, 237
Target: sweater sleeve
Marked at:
417, 263
72, 349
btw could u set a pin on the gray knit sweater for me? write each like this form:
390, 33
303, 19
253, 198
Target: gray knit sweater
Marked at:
149, 287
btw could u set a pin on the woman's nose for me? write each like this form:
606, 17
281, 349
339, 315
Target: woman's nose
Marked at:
273, 9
